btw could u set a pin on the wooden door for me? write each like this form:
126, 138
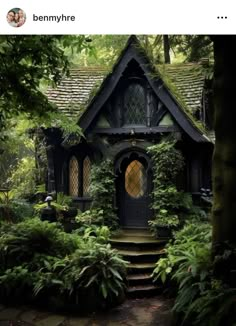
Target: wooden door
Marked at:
134, 193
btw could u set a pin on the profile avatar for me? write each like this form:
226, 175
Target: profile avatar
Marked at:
16, 17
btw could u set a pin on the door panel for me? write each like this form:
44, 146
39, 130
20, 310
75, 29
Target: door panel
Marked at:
134, 193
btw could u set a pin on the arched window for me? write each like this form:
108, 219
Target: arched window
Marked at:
79, 176
73, 176
86, 176
135, 105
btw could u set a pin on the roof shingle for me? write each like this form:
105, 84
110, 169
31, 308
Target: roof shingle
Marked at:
74, 92
72, 96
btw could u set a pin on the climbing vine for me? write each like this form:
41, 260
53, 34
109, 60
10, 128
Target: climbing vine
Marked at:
167, 201
102, 191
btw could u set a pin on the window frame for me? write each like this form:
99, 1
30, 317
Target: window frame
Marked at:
134, 81
80, 193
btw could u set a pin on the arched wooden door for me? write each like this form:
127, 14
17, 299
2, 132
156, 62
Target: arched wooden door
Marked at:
133, 191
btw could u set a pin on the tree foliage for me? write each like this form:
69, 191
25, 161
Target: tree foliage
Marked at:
28, 62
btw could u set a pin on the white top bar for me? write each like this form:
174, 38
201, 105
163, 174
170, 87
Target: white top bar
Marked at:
122, 17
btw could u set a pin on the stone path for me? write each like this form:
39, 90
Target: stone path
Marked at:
138, 312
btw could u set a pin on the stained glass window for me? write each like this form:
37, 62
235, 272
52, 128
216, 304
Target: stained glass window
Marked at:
135, 105
73, 177
86, 176
135, 179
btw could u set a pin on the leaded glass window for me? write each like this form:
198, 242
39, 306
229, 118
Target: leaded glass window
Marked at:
86, 176
135, 179
73, 177
135, 105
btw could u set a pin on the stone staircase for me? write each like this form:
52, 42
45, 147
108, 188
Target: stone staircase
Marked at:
142, 251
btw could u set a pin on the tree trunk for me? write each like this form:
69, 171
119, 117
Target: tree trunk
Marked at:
166, 44
224, 157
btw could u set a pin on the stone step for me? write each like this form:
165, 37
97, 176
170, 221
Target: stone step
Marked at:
141, 268
142, 251
136, 240
135, 253
139, 279
136, 233
141, 291
141, 256
136, 243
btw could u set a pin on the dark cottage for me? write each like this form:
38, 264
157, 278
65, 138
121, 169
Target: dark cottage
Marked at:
122, 113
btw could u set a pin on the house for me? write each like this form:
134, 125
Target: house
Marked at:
123, 112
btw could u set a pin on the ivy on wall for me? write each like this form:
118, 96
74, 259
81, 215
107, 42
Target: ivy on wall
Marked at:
102, 190
167, 201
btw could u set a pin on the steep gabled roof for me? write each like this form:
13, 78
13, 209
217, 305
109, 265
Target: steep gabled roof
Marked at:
179, 87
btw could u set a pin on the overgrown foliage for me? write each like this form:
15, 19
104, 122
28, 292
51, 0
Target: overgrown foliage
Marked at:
168, 202
13, 209
102, 191
202, 299
41, 262
192, 237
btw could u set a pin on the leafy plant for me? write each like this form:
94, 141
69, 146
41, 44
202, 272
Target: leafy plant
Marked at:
12, 209
102, 190
170, 206
98, 266
167, 164
63, 200
189, 268
61, 204
90, 217
101, 234
14, 281
185, 240
192, 275
165, 220
21, 185
24, 239
215, 307
39, 259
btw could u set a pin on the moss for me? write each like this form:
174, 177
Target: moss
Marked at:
178, 97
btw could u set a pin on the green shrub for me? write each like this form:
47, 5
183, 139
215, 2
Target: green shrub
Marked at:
100, 234
169, 204
164, 220
24, 239
14, 283
21, 210
192, 275
98, 266
215, 307
90, 217
168, 162
189, 268
16, 210
23, 177
38, 259
182, 248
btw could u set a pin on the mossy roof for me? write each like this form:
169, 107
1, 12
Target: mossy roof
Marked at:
74, 93
72, 96
186, 83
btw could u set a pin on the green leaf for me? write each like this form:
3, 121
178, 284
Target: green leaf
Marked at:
104, 290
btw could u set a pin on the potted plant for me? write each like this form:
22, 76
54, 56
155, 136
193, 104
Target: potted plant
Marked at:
69, 213
163, 225
61, 205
